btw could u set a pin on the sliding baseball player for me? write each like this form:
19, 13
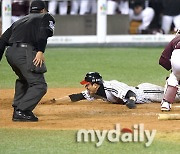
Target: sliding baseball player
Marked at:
115, 92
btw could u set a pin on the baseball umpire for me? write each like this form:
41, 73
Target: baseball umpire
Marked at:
27, 39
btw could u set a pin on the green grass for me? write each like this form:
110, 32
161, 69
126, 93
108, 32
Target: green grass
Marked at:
26, 141
67, 66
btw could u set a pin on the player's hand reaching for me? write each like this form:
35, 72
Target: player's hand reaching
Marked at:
39, 59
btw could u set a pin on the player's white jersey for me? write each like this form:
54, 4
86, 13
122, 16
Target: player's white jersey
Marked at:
116, 91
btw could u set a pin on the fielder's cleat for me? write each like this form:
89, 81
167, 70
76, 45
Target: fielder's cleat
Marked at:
165, 106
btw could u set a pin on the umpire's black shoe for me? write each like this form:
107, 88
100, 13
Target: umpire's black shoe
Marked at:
30, 113
19, 115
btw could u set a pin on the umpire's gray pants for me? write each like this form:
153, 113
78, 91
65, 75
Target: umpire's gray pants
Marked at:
30, 87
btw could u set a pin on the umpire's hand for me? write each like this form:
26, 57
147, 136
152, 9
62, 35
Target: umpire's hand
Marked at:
39, 59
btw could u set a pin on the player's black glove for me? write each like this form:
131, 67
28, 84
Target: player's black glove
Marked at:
131, 99
131, 103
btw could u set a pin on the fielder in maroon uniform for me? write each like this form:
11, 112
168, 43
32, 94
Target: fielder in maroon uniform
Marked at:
170, 61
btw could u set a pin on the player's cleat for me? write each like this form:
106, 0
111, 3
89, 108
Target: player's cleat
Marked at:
165, 106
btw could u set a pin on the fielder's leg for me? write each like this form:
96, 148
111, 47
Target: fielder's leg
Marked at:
169, 97
172, 82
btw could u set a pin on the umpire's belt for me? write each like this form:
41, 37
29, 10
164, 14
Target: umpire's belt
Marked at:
22, 45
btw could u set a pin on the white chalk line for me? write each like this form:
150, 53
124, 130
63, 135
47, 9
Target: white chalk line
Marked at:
176, 106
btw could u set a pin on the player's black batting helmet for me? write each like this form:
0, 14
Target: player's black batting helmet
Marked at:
92, 77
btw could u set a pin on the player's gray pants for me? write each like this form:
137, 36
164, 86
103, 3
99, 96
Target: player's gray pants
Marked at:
30, 87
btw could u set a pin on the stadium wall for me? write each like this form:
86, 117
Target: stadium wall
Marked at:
101, 38
111, 40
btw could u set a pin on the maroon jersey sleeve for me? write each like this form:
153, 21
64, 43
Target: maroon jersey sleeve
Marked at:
164, 60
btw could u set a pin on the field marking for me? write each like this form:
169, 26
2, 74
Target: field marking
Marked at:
169, 117
176, 106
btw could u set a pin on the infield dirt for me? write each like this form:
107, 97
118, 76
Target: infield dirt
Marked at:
87, 115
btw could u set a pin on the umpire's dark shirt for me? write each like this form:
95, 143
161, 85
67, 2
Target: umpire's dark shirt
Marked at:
33, 29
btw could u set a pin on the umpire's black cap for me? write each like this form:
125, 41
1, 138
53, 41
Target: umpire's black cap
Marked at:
38, 5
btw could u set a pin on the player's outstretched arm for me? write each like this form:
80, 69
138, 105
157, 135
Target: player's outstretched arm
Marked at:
57, 101
66, 99
61, 100
69, 99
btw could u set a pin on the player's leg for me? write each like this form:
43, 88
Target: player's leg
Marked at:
93, 6
75, 7
151, 92
63, 7
84, 7
177, 98
124, 7
176, 21
169, 93
166, 23
111, 7
172, 82
147, 17
52, 5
